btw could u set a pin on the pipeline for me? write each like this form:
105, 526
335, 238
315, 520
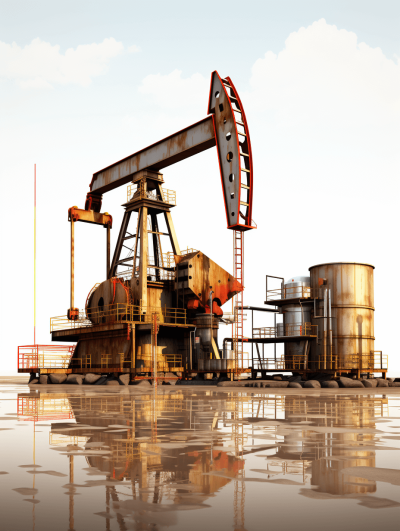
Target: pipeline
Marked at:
128, 297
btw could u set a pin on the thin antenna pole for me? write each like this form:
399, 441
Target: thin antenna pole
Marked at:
34, 258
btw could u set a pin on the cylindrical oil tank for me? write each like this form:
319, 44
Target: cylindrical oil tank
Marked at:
352, 302
294, 318
295, 315
297, 288
205, 348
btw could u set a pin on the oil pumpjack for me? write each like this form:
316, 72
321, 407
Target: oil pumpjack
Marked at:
141, 318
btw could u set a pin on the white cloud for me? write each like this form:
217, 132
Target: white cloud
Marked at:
41, 65
323, 82
172, 91
323, 74
134, 49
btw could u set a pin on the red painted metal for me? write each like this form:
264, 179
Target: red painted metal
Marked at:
223, 123
246, 128
34, 258
238, 264
35, 408
29, 356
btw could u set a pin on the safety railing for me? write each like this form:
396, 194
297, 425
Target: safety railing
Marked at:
82, 363
44, 356
333, 362
119, 313
292, 363
244, 361
168, 259
169, 196
380, 361
159, 273
174, 362
136, 192
58, 439
305, 329
188, 250
126, 449
292, 292
44, 407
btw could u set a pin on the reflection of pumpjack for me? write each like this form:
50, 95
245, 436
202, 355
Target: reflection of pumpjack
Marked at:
133, 459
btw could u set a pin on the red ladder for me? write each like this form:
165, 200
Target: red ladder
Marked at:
238, 272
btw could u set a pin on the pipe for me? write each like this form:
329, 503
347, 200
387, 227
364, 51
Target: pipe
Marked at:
191, 346
325, 323
108, 252
330, 327
210, 302
225, 341
72, 263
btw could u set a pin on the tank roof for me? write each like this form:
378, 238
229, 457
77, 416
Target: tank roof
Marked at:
339, 263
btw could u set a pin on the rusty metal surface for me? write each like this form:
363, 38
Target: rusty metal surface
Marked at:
89, 216
234, 151
197, 275
179, 146
226, 127
352, 287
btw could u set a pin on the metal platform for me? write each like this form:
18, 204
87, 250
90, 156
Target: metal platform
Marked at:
281, 339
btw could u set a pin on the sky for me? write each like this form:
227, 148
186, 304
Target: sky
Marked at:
84, 84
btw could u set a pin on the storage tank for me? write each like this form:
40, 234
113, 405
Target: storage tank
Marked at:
297, 287
352, 303
295, 315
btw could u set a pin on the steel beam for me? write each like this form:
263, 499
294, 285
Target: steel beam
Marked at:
179, 146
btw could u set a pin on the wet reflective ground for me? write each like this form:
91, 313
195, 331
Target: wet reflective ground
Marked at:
190, 458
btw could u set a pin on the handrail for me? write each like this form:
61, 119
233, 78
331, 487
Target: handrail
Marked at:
305, 329
375, 361
292, 292
44, 356
119, 313
136, 192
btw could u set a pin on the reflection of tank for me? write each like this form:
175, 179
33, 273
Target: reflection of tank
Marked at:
329, 456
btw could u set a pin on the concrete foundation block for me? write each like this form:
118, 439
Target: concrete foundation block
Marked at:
295, 385
370, 382
124, 379
329, 384
312, 384
382, 382
91, 378
76, 379
275, 384
349, 383
58, 378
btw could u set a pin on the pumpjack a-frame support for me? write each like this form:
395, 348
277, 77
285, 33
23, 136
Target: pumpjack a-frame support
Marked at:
148, 202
